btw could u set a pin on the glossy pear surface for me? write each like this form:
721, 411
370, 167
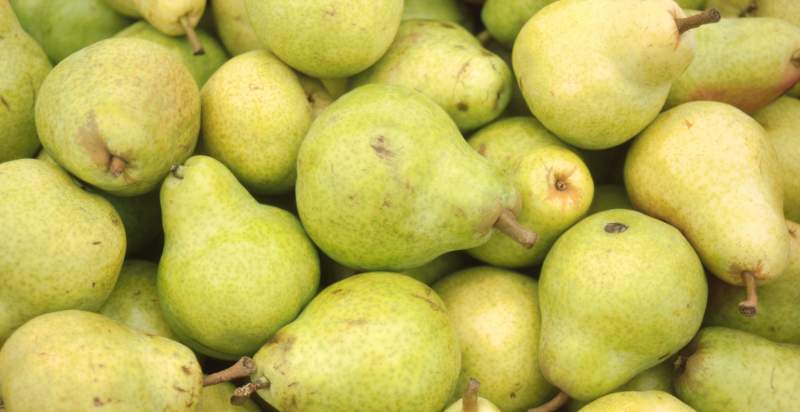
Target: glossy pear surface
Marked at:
134, 300
505, 18
233, 26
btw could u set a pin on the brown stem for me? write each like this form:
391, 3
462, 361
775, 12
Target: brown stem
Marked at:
244, 367
197, 47
749, 306
553, 404
177, 171
116, 165
242, 393
469, 402
507, 223
691, 22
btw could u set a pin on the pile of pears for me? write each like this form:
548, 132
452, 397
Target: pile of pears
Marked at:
400, 205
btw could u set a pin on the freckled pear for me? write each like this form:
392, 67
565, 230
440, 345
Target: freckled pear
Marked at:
386, 181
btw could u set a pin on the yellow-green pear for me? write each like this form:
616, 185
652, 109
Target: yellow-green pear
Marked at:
118, 114
471, 402
691, 4
692, 168
80, 361
62, 247
600, 279
505, 18
496, 316
516, 103
427, 273
217, 398
731, 8
788, 10
594, 84
233, 271
171, 17
608, 197
317, 95
657, 378
233, 26
445, 10
648, 401
255, 115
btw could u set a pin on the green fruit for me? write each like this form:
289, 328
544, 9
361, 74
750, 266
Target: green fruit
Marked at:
505, 18
657, 378
233, 26
217, 398
316, 94
444, 10
427, 273
607, 197
649, 401
171, 17
471, 402
691, 4
788, 10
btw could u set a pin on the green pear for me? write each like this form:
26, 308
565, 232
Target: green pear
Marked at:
747, 63
778, 318
62, 247
590, 289
378, 190
691, 4
64, 27
171, 17
657, 378
692, 167
788, 10
731, 8
781, 120
594, 84
607, 197
446, 63
427, 273
233, 26
471, 402
504, 18
496, 316
201, 67
443, 10
134, 300
255, 115
326, 38
554, 184
233, 271
118, 114
729, 370
317, 95
23, 67
516, 103
648, 401
217, 398
78, 361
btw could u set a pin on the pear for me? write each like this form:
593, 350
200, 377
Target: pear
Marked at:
657, 378
217, 398
233, 271
747, 63
201, 67
233, 26
729, 370
692, 167
496, 315
427, 273
516, 103
788, 10
118, 114
554, 184
594, 84
171, 17
376, 190
134, 300
471, 402
782, 122
590, 289
607, 197
255, 115
64, 27
317, 95
732, 8
444, 10
505, 18
23, 67
446, 63
62, 248
778, 318
326, 38
76, 361
648, 401
691, 4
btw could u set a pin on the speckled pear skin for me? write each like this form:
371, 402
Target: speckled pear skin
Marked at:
217, 398
134, 300
505, 18
788, 10
781, 120
164, 15
385, 180
763, 64
778, 318
201, 67
317, 95
373, 342
87, 361
233, 26
64, 27
255, 115
23, 67
319, 37
445, 10
729, 370
590, 293
483, 406
496, 315
608, 197
123, 97
448, 64
592, 86
657, 378
648, 401
554, 184
233, 271
693, 166
62, 247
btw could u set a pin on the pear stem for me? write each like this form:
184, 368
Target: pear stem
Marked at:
191, 35
242, 393
749, 306
469, 402
687, 23
553, 404
116, 165
242, 368
508, 224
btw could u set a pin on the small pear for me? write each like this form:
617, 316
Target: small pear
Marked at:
255, 115
607, 197
233, 271
692, 167
505, 18
62, 247
233, 26
471, 402
649, 401
79, 361
590, 289
171, 17
217, 398
443, 10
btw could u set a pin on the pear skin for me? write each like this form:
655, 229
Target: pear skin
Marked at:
505, 18
171, 17
233, 26
443, 10
649, 401
657, 378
